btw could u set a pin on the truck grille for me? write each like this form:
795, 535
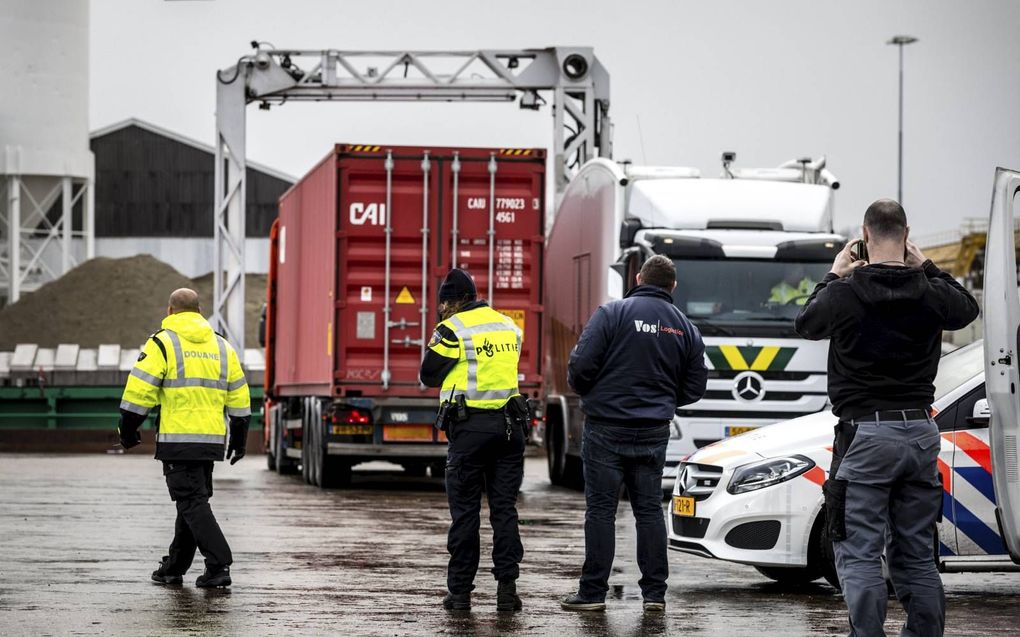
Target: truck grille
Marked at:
698, 480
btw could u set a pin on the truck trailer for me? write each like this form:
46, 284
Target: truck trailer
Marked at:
748, 248
360, 247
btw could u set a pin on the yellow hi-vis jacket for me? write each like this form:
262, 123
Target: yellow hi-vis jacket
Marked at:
783, 292
487, 347
193, 375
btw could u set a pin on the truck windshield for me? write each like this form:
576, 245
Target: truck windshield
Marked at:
734, 291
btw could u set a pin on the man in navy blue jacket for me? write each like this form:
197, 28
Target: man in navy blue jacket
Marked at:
637, 360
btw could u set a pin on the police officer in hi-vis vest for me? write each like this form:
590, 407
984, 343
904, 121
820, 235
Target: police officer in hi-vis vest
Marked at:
473, 357
195, 379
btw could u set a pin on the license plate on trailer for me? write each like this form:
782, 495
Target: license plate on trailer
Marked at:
407, 433
736, 431
351, 430
683, 506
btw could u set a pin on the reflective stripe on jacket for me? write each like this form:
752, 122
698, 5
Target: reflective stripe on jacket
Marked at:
195, 377
487, 350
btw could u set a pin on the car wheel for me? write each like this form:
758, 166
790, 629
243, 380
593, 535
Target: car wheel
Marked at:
820, 551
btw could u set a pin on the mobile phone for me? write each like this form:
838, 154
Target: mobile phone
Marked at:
859, 250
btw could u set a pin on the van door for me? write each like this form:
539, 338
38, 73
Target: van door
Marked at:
1002, 329
973, 496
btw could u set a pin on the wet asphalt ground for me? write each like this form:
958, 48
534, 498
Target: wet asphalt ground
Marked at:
81, 533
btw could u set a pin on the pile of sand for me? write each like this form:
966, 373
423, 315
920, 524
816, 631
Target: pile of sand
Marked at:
104, 300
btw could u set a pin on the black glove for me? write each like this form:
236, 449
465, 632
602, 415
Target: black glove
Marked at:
237, 443
132, 439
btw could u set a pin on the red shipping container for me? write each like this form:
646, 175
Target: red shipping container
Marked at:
336, 280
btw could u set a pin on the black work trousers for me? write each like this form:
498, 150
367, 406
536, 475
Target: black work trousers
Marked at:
190, 485
485, 454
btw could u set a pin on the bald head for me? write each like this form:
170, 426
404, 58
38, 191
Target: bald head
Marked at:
184, 300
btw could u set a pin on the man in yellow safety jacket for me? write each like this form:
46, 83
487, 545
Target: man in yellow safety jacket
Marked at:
473, 357
795, 287
192, 376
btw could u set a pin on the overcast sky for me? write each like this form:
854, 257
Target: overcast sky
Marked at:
770, 80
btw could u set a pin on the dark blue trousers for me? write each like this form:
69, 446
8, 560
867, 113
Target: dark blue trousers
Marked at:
634, 457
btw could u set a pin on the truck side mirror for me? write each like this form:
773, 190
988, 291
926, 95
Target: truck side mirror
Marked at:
628, 230
981, 414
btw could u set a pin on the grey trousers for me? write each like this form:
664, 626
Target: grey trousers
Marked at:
893, 500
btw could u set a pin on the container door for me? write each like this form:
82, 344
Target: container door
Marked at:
386, 286
1002, 329
494, 207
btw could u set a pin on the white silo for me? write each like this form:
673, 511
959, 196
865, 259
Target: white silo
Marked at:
46, 167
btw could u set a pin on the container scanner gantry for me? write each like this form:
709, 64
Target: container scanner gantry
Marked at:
577, 81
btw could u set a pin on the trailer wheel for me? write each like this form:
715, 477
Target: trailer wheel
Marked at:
284, 464
438, 469
554, 446
306, 444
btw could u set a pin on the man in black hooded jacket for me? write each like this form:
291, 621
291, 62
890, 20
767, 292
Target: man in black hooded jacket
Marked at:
637, 360
885, 318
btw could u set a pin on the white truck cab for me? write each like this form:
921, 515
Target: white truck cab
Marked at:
748, 247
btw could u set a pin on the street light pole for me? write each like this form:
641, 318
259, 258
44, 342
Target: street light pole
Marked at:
901, 41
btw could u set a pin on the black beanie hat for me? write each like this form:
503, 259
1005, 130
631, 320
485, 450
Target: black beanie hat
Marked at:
457, 286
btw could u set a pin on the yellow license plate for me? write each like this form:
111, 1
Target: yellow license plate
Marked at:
736, 431
351, 430
683, 505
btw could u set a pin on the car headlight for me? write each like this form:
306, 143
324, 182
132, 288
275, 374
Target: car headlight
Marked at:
766, 473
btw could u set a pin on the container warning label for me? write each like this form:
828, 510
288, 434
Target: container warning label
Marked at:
517, 316
366, 293
405, 296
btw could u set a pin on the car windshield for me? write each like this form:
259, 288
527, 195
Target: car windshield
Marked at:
957, 367
722, 291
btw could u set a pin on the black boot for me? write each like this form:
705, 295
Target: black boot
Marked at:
457, 601
506, 596
161, 576
214, 579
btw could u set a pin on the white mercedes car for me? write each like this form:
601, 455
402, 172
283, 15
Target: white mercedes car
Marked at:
757, 498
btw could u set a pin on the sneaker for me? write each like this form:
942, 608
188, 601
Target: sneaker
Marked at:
457, 601
654, 607
576, 602
160, 575
506, 597
214, 579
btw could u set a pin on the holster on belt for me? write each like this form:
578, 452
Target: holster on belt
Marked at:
519, 412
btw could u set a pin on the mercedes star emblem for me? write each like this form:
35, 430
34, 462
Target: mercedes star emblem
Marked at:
749, 387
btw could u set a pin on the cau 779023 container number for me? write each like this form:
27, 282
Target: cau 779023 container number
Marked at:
357, 255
